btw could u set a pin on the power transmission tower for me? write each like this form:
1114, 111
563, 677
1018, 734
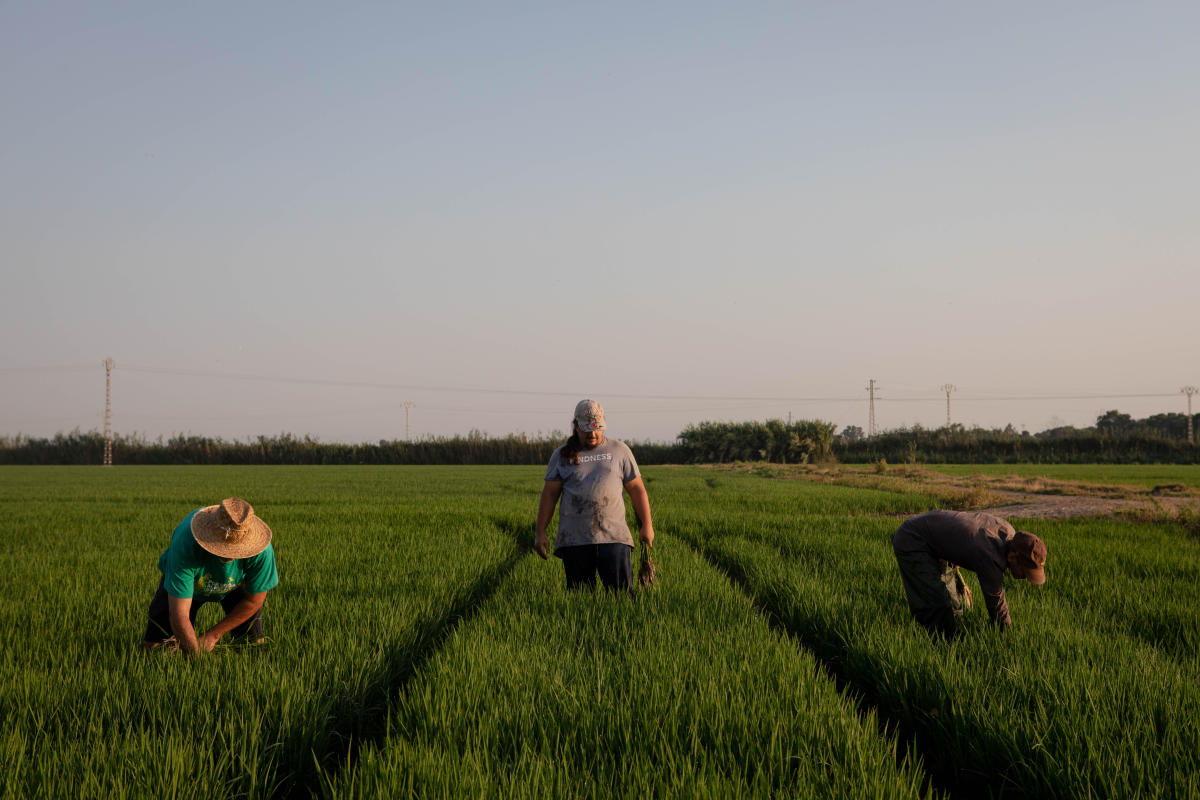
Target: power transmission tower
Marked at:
948, 388
408, 406
871, 387
108, 368
1189, 391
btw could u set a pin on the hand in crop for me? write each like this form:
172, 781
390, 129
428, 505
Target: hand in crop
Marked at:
647, 535
647, 571
207, 642
541, 544
964, 591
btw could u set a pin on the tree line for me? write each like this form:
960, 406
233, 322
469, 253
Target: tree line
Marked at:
984, 446
79, 447
1116, 438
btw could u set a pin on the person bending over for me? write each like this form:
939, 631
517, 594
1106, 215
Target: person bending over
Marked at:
930, 546
220, 554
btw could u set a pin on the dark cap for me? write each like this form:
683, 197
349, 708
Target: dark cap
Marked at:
1030, 553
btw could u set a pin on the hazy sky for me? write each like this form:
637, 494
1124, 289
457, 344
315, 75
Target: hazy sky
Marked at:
685, 210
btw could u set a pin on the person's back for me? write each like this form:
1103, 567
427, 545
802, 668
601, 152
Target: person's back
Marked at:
929, 547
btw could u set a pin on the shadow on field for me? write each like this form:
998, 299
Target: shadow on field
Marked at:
519, 528
830, 650
360, 716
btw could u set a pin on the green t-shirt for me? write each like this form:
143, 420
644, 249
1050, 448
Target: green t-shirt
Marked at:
190, 571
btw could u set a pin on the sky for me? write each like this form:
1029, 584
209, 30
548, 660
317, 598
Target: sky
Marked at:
297, 217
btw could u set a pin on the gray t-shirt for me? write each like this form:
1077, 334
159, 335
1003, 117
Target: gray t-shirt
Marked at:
592, 510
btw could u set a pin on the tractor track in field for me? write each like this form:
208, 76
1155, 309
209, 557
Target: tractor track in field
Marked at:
350, 725
829, 657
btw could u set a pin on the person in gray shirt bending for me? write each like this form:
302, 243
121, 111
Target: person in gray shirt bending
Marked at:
589, 473
930, 546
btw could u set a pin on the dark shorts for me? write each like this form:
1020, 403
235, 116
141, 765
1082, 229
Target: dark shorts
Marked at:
159, 627
612, 562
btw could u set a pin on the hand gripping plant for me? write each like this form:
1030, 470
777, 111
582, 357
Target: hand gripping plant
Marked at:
646, 572
964, 591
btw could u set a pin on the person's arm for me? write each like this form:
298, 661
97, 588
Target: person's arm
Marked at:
991, 583
549, 499
641, 507
181, 626
240, 613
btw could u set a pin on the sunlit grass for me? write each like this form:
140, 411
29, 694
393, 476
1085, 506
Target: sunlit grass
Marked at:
416, 648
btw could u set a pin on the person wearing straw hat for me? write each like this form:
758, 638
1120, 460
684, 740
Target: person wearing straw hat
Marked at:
930, 547
220, 554
589, 472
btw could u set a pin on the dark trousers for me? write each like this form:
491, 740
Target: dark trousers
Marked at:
159, 627
611, 561
931, 586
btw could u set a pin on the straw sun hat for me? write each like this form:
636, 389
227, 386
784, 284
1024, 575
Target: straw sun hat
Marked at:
230, 530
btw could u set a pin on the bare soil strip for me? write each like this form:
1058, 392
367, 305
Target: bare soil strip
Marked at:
1006, 496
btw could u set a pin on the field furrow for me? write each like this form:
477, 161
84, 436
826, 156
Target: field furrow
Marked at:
372, 580
1038, 711
679, 691
415, 648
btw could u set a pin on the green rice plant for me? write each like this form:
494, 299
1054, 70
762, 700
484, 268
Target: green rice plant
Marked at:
375, 570
727, 494
678, 691
1144, 475
1128, 580
415, 649
1063, 705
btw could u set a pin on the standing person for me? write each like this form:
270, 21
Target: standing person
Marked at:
929, 546
589, 473
221, 554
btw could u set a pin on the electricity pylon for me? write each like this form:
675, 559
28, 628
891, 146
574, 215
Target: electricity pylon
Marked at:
948, 388
871, 414
108, 368
1189, 391
408, 406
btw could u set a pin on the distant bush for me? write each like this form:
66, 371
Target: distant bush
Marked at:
782, 442
1115, 439
957, 445
475, 448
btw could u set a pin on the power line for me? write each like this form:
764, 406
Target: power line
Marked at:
466, 389
282, 379
623, 395
50, 368
997, 398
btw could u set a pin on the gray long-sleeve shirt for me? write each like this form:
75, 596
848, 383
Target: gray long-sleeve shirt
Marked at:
971, 539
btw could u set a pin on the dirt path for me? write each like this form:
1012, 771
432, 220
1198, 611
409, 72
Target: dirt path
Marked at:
1024, 505
1006, 496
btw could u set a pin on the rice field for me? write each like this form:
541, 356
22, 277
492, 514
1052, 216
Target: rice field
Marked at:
418, 648
1144, 475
